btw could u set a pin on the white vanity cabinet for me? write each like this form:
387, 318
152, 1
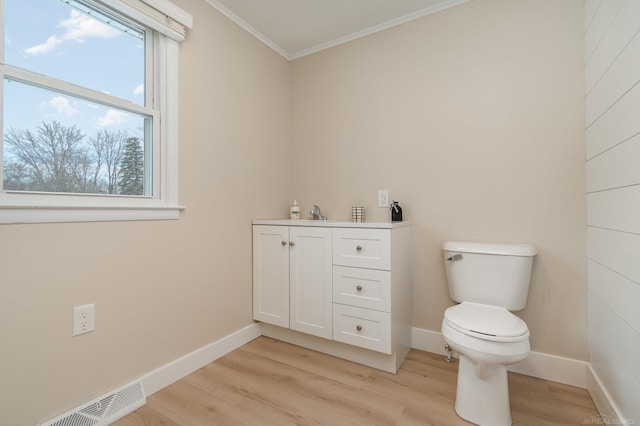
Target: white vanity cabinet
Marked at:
336, 287
292, 275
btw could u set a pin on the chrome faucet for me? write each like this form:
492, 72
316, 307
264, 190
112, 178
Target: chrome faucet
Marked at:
314, 214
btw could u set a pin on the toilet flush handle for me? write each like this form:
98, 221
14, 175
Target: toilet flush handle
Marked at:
455, 257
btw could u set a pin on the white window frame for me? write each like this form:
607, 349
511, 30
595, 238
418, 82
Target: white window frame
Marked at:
169, 24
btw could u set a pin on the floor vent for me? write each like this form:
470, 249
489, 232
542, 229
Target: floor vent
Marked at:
104, 410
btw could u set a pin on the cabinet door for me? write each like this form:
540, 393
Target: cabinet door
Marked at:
271, 274
310, 281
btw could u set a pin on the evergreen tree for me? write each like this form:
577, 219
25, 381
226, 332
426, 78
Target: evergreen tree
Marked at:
131, 172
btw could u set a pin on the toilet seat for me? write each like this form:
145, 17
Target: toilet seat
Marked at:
486, 322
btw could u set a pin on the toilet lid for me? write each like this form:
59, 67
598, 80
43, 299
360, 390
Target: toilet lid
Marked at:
486, 322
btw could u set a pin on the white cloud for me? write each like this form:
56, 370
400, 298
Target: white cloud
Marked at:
77, 28
62, 106
45, 47
139, 90
112, 118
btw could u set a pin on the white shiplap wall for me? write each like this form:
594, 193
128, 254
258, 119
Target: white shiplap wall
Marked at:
612, 77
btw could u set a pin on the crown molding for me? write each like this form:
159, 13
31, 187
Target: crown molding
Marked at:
338, 41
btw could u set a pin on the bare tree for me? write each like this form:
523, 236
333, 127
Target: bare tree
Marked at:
52, 156
57, 158
108, 149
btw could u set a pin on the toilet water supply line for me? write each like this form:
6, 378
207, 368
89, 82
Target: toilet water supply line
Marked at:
449, 357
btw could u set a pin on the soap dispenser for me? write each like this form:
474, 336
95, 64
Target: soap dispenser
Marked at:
295, 210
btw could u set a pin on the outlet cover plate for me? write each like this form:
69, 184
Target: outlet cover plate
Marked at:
383, 198
84, 319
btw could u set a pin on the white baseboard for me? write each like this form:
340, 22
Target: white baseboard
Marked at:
603, 401
538, 364
427, 340
187, 364
552, 367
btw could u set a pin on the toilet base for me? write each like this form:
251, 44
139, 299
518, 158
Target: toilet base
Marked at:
483, 400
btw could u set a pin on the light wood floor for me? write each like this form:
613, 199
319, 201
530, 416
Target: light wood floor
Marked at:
268, 382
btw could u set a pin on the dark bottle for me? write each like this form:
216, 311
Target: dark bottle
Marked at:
396, 212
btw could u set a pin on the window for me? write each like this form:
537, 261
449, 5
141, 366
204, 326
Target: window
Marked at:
88, 114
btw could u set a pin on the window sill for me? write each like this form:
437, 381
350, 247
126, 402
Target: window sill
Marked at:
56, 214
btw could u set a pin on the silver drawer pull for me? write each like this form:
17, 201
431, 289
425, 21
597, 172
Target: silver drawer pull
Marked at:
359, 327
359, 288
359, 248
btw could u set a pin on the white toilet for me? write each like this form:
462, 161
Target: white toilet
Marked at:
488, 281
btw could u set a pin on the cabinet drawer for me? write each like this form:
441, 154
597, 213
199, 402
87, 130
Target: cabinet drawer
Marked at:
362, 327
362, 248
365, 288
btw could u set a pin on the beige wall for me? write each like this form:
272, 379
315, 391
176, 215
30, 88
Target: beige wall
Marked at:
161, 289
473, 119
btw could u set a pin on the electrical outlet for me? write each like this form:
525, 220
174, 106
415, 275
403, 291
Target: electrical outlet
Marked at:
383, 198
84, 319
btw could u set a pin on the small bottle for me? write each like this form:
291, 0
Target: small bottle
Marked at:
396, 212
295, 210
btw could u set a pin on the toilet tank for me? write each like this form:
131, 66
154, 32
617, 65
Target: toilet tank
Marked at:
493, 274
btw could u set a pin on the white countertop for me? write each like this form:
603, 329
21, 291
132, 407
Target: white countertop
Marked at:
330, 223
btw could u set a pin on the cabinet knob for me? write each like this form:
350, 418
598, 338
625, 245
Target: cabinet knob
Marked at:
359, 288
284, 243
359, 327
359, 248
291, 243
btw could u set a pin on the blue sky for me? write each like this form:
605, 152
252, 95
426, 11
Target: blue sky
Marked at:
50, 37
